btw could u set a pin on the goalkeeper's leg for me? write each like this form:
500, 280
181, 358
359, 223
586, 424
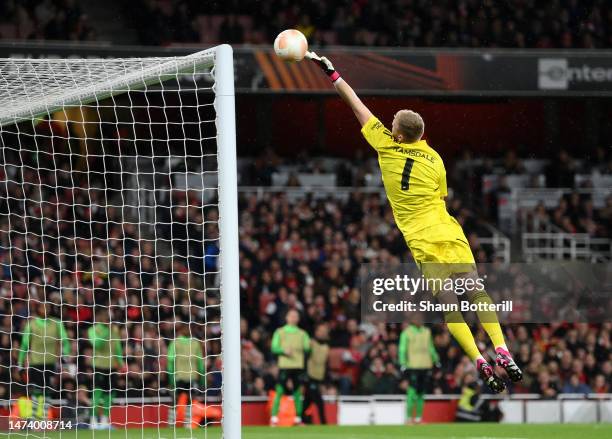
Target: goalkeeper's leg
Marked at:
491, 325
462, 333
437, 263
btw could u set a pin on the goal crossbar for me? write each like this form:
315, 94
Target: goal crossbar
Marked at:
161, 69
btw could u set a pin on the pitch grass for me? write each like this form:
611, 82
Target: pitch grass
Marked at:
447, 431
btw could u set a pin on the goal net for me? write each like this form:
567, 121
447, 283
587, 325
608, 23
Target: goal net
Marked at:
119, 301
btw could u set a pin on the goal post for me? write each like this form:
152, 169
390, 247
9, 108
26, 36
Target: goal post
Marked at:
119, 213
228, 225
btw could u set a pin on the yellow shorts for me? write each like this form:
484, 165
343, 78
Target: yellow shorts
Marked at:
441, 251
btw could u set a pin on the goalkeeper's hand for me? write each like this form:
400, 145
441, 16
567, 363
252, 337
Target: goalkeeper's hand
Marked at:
325, 65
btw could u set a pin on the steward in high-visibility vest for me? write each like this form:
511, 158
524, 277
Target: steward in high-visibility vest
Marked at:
468, 408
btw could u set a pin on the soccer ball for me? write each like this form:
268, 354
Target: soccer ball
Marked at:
291, 45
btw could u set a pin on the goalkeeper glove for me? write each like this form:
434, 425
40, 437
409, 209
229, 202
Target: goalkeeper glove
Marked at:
325, 65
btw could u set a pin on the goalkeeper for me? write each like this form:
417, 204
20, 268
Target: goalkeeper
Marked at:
290, 344
417, 355
186, 369
107, 359
43, 342
414, 178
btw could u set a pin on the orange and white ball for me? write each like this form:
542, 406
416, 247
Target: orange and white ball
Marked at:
291, 45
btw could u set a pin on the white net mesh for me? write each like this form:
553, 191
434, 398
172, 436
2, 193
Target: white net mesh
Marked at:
109, 244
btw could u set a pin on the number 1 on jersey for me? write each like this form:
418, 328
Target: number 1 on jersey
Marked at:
406, 174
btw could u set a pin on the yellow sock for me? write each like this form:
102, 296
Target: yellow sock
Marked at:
461, 332
489, 321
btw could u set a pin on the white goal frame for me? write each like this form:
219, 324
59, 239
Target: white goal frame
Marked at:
223, 69
228, 227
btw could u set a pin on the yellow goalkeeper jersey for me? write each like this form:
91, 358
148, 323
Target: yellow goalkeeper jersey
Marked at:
414, 178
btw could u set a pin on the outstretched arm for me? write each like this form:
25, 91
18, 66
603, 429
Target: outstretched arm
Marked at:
346, 92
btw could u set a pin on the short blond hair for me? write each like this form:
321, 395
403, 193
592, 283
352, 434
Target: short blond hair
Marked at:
410, 124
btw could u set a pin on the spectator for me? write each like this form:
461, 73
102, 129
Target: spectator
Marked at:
512, 165
298, 254
183, 25
231, 30
379, 22
600, 385
575, 386
376, 22
561, 171
379, 378
544, 386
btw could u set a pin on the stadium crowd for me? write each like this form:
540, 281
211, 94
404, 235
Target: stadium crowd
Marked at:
575, 211
407, 23
64, 243
45, 19
305, 256
68, 240
73, 245
471, 23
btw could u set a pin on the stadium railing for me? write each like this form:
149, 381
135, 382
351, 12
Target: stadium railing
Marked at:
305, 179
573, 246
294, 193
501, 244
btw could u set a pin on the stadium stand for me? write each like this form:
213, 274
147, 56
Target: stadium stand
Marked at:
564, 24
298, 251
45, 19
300, 247
524, 24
